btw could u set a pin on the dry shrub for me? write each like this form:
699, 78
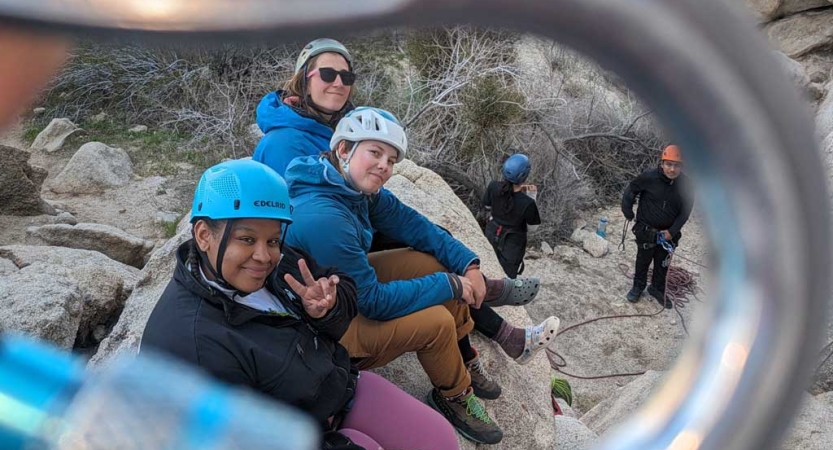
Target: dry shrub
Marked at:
469, 98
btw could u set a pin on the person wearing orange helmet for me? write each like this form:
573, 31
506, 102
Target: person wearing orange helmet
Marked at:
664, 207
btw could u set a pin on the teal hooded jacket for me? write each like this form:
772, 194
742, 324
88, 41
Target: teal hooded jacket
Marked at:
335, 224
288, 134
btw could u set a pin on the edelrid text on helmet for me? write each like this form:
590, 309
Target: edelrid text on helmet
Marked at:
516, 168
269, 204
319, 46
371, 124
241, 189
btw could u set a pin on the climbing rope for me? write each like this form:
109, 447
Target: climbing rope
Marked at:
680, 285
678, 255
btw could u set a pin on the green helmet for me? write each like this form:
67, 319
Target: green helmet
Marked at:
319, 46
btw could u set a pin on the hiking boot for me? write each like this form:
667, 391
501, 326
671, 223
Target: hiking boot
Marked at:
468, 416
518, 292
634, 294
539, 337
484, 385
660, 297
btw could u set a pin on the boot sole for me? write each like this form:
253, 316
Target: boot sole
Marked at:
434, 406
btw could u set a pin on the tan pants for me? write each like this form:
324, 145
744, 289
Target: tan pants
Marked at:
432, 332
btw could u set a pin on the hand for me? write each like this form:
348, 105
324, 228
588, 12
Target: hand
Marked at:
628, 215
529, 188
478, 285
318, 297
667, 235
468, 294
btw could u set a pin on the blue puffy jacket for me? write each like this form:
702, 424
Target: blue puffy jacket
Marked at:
335, 224
288, 134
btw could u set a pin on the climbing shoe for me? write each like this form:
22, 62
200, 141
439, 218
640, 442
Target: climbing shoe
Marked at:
518, 292
538, 337
634, 294
468, 416
484, 385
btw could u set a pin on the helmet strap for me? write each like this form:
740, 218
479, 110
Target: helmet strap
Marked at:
345, 165
221, 252
284, 231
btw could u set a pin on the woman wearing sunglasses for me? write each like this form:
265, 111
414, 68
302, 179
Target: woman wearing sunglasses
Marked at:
299, 120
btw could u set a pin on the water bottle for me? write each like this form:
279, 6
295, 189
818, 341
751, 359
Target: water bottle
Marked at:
47, 401
601, 228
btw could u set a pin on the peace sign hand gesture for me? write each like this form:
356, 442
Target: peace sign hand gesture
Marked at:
319, 296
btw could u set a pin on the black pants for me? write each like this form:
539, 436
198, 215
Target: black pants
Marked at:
647, 252
644, 257
510, 248
486, 320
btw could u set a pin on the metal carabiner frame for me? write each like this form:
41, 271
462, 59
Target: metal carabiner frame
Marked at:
710, 78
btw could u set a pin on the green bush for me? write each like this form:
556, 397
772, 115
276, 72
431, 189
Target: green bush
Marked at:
489, 103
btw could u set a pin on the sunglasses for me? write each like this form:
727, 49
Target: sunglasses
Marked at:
328, 75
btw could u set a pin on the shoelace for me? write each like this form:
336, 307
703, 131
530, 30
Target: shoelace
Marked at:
477, 366
476, 409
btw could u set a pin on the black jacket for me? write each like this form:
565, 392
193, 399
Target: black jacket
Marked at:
523, 211
296, 361
664, 204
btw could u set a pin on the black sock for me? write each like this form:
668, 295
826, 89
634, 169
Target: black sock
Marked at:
466, 349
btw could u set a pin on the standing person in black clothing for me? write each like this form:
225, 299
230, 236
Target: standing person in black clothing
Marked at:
514, 213
664, 207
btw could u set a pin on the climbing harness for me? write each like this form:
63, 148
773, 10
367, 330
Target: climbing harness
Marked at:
499, 242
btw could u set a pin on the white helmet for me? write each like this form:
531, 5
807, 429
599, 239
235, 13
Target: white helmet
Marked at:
371, 124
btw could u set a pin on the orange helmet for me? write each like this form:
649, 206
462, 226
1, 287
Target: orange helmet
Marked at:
672, 153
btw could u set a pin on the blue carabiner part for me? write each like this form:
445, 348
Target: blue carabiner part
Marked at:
668, 246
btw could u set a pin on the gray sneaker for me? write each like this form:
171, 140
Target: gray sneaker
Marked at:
468, 416
484, 385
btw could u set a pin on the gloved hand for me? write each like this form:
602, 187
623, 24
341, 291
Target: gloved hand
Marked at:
628, 215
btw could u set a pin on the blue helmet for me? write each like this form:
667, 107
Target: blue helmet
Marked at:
516, 168
241, 189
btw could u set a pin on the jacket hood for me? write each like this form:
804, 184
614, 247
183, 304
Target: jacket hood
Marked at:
316, 174
273, 113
